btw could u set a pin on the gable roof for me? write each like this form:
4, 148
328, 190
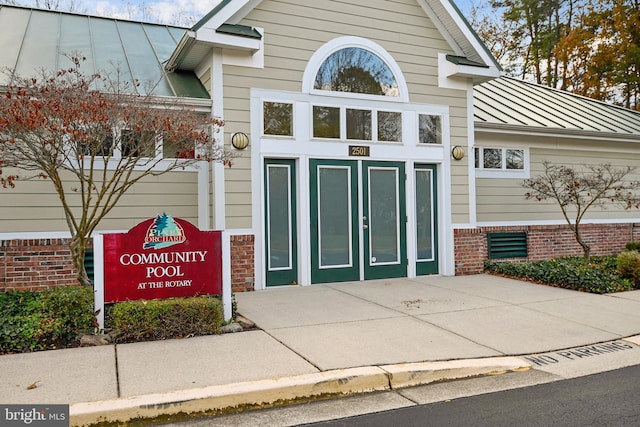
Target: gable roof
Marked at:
34, 39
197, 42
515, 105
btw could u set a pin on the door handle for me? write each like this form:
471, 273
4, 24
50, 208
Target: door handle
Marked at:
365, 226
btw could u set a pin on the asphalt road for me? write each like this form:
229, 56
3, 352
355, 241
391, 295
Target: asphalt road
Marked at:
605, 399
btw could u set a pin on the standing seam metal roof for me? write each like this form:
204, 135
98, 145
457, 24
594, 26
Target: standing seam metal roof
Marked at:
509, 101
33, 39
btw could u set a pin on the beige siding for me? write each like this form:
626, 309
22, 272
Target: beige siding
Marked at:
34, 205
295, 30
501, 200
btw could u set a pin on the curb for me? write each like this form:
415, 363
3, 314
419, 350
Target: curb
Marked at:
339, 382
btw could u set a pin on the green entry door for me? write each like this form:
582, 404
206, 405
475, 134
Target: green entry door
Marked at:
384, 220
340, 237
280, 222
426, 220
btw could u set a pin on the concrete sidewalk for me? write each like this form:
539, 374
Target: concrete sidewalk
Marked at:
324, 340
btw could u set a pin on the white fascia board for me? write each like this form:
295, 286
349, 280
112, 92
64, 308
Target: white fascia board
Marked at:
228, 15
447, 70
471, 37
181, 50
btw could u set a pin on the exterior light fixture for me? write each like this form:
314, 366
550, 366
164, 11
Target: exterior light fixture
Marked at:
457, 152
240, 140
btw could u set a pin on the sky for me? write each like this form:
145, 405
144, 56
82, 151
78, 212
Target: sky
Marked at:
178, 12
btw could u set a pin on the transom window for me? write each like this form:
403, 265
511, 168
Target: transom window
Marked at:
356, 70
277, 118
429, 129
359, 124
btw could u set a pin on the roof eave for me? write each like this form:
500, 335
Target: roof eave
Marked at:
461, 67
487, 127
181, 51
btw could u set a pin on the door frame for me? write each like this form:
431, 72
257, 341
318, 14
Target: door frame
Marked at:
303, 147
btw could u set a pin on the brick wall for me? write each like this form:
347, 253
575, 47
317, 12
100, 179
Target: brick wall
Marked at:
35, 264
38, 264
242, 263
543, 242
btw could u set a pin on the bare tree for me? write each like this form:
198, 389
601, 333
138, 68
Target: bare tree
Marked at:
59, 5
95, 145
578, 191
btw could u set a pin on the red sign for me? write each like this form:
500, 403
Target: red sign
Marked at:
163, 257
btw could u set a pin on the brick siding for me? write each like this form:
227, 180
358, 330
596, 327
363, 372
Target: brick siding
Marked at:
543, 242
242, 265
35, 264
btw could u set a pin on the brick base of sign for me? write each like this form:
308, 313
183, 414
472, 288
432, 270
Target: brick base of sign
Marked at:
543, 242
35, 264
242, 265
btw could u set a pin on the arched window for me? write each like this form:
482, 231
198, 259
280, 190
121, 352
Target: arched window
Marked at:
356, 66
356, 70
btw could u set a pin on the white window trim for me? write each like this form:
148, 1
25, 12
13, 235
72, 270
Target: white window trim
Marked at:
339, 43
442, 125
156, 163
524, 173
293, 119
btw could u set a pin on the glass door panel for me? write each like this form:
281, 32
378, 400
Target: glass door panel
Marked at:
384, 220
334, 206
426, 220
334, 216
384, 243
280, 197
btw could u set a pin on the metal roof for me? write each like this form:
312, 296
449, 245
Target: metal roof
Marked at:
513, 103
34, 39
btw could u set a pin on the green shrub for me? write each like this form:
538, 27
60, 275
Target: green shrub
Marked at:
628, 266
44, 320
633, 246
166, 319
598, 276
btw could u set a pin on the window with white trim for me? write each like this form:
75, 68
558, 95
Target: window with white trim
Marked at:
130, 143
429, 129
356, 70
356, 124
501, 162
277, 118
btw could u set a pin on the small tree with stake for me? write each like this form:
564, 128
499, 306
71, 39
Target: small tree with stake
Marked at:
578, 191
93, 137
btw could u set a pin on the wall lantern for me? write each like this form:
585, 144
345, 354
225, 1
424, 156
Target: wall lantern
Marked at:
457, 152
240, 140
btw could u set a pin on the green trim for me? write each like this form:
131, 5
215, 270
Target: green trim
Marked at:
340, 274
462, 60
288, 276
239, 30
430, 267
391, 270
210, 15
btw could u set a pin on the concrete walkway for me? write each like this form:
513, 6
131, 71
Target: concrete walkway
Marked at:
324, 340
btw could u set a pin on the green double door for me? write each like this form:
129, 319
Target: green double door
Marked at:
357, 209
357, 220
